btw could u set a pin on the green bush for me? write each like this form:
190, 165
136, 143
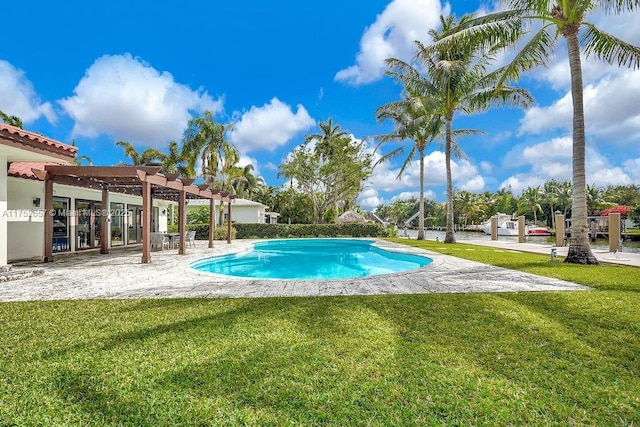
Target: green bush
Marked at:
202, 231
271, 231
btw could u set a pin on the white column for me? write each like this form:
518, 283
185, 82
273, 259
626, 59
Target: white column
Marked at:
3, 211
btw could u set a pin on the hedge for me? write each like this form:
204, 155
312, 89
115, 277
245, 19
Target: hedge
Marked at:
202, 231
270, 231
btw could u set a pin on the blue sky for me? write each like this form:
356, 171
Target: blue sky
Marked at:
99, 72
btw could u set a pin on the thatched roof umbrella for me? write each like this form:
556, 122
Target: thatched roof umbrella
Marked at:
350, 216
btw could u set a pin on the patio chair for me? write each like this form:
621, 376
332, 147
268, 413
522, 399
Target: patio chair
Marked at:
159, 240
190, 238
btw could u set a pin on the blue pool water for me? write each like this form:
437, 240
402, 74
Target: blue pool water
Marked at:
311, 259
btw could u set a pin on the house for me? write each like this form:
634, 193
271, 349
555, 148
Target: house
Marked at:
84, 210
244, 211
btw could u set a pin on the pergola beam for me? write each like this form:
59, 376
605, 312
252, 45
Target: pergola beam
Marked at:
134, 180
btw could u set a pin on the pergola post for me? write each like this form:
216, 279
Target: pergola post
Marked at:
212, 215
146, 222
182, 220
48, 221
228, 221
104, 223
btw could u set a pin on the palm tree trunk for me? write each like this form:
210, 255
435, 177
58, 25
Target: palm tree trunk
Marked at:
421, 207
449, 237
579, 249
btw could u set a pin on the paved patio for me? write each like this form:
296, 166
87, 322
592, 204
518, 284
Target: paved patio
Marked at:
121, 275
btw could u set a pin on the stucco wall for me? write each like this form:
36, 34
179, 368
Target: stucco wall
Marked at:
25, 227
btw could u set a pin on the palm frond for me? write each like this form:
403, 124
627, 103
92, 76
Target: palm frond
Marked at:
535, 52
610, 48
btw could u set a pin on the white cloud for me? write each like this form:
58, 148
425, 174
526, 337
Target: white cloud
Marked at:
248, 160
486, 167
18, 97
384, 186
392, 35
270, 126
519, 182
611, 110
552, 160
632, 168
369, 199
474, 185
126, 98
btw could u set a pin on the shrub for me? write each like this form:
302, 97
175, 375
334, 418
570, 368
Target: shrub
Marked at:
202, 231
271, 231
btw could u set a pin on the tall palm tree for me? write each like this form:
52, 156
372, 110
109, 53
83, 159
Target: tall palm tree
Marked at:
415, 122
557, 18
149, 157
11, 120
205, 140
458, 72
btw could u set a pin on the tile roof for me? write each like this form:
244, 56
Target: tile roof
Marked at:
23, 169
12, 132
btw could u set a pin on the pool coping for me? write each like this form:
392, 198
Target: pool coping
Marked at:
120, 274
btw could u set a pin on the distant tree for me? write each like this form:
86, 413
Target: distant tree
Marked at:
204, 141
336, 180
174, 162
635, 215
243, 180
322, 140
596, 199
470, 206
627, 195
149, 157
79, 159
530, 201
11, 120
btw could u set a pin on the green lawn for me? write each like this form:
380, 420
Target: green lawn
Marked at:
556, 358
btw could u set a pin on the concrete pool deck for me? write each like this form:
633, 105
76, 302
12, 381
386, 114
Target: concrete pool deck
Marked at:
120, 274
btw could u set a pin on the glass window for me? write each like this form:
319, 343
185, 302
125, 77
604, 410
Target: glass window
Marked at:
61, 224
117, 224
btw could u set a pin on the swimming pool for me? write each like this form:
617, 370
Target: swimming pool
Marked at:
311, 259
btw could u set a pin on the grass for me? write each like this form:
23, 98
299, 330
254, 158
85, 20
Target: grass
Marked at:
549, 358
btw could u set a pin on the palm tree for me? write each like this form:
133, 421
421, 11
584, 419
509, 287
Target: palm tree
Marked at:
11, 120
149, 157
204, 140
564, 18
530, 202
79, 159
243, 180
323, 139
565, 196
596, 199
413, 121
469, 205
458, 72
173, 161
551, 198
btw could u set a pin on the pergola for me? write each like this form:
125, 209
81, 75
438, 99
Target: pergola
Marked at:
144, 181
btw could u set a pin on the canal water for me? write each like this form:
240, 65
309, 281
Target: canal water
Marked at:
600, 244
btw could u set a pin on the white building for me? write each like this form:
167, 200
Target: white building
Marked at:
76, 210
244, 211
